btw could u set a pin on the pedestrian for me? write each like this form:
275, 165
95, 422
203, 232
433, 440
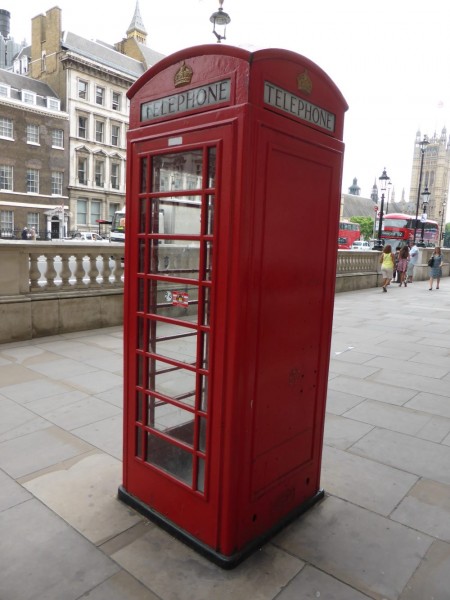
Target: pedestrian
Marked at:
33, 234
387, 261
402, 265
435, 268
413, 258
395, 276
24, 233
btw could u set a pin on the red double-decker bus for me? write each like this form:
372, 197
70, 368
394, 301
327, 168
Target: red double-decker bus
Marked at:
398, 229
348, 233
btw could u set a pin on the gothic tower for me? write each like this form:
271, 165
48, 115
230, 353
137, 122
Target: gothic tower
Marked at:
435, 175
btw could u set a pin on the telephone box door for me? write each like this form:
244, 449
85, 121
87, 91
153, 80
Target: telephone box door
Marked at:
173, 215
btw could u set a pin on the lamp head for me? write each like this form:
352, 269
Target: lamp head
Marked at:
220, 19
383, 180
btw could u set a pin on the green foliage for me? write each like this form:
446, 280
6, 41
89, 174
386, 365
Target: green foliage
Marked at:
366, 225
447, 228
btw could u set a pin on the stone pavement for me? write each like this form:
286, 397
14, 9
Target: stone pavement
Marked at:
382, 531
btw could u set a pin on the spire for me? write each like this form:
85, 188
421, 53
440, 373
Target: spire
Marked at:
136, 28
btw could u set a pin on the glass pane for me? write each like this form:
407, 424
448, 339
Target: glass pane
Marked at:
170, 458
140, 333
140, 370
174, 382
171, 420
176, 258
210, 216
208, 261
172, 300
206, 305
140, 409
205, 351
179, 215
141, 266
211, 167
142, 215
202, 435
140, 295
201, 475
139, 441
204, 394
177, 171
175, 342
143, 175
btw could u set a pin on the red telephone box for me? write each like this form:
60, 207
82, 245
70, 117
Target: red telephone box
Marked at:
233, 201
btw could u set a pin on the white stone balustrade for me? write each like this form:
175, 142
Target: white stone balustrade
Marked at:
28, 267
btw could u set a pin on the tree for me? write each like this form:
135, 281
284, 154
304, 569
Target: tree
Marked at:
366, 225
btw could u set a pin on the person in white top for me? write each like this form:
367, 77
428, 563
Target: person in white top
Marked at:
413, 258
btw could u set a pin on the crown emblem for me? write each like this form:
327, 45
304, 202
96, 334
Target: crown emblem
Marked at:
304, 82
183, 76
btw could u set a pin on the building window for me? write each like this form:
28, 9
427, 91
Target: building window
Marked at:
115, 135
95, 211
32, 181
28, 97
112, 208
6, 128
116, 98
115, 176
53, 103
33, 221
100, 95
99, 173
82, 170
57, 138
82, 211
99, 131
83, 89
82, 127
6, 223
6, 177
57, 183
33, 134
5, 90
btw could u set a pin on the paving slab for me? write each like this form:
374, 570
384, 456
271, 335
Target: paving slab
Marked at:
312, 584
84, 494
173, 571
417, 456
42, 557
343, 433
375, 390
39, 450
363, 482
11, 493
388, 416
339, 402
431, 581
426, 508
368, 552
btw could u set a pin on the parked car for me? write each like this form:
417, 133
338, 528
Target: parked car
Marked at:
361, 245
86, 236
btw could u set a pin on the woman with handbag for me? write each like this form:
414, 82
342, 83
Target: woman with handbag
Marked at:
435, 267
387, 260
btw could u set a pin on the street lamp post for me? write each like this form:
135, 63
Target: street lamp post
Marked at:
383, 183
442, 213
389, 188
422, 144
425, 199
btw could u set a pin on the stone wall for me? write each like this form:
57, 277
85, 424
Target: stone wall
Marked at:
60, 287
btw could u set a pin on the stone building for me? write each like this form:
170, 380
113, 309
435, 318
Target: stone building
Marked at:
435, 175
92, 79
34, 165
9, 48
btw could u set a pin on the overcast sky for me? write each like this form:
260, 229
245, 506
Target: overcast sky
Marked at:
390, 59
